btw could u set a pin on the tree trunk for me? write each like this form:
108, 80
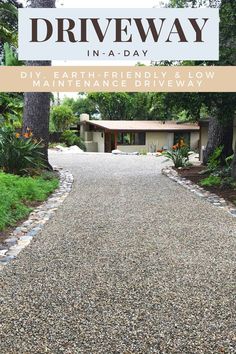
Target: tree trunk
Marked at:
37, 104
220, 133
36, 117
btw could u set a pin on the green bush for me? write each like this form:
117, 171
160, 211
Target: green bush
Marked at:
19, 154
219, 167
16, 194
211, 181
214, 161
70, 138
62, 117
179, 157
228, 182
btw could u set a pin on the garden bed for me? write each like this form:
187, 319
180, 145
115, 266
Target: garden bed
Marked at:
193, 174
20, 195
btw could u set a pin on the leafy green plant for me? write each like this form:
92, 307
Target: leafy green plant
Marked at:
10, 56
211, 181
229, 160
62, 117
11, 109
17, 193
8, 23
179, 157
228, 182
215, 164
70, 138
214, 161
19, 154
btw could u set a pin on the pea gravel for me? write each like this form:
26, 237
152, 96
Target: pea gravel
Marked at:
131, 263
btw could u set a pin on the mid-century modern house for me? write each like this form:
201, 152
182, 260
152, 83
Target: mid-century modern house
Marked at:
136, 135
204, 127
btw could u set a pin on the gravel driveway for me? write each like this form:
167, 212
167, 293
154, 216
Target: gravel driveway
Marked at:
131, 263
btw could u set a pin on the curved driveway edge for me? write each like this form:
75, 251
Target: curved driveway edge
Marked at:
212, 198
24, 234
131, 263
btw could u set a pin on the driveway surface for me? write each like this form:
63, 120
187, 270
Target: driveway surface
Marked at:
131, 263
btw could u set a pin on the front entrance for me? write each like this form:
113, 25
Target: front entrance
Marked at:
110, 141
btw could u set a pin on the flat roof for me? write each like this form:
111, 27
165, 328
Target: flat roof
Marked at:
143, 125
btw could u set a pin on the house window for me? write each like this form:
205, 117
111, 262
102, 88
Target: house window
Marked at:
182, 135
132, 138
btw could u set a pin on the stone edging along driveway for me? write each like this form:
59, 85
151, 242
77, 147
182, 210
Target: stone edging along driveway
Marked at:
23, 234
199, 191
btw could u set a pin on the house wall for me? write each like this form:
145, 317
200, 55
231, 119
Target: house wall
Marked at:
132, 148
203, 141
99, 138
91, 146
194, 140
160, 139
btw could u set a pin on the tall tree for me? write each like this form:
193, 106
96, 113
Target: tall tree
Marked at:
37, 104
221, 106
224, 104
112, 105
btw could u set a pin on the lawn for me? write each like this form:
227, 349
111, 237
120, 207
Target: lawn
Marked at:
19, 194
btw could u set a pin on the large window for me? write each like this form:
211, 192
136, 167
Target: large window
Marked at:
132, 138
182, 135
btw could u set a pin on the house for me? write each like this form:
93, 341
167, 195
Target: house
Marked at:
204, 127
135, 136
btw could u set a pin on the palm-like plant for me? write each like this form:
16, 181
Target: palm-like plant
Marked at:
8, 22
179, 157
11, 107
19, 154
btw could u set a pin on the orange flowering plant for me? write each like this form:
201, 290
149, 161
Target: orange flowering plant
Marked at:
179, 154
19, 153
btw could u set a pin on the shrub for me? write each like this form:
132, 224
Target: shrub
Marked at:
217, 167
211, 181
62, 117
70, 138
214, 161
228, 182
229, 160
19, 154
179, 156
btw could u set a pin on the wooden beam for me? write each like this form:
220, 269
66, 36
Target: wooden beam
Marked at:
116, 138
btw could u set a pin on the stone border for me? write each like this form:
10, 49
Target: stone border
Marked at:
199, 191
24, 234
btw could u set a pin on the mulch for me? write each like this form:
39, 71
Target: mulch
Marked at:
193, 175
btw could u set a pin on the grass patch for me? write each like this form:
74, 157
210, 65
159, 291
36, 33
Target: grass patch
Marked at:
18, 193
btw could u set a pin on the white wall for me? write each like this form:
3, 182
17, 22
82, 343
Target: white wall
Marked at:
194, 140
99, 138
160, 139
132, 148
